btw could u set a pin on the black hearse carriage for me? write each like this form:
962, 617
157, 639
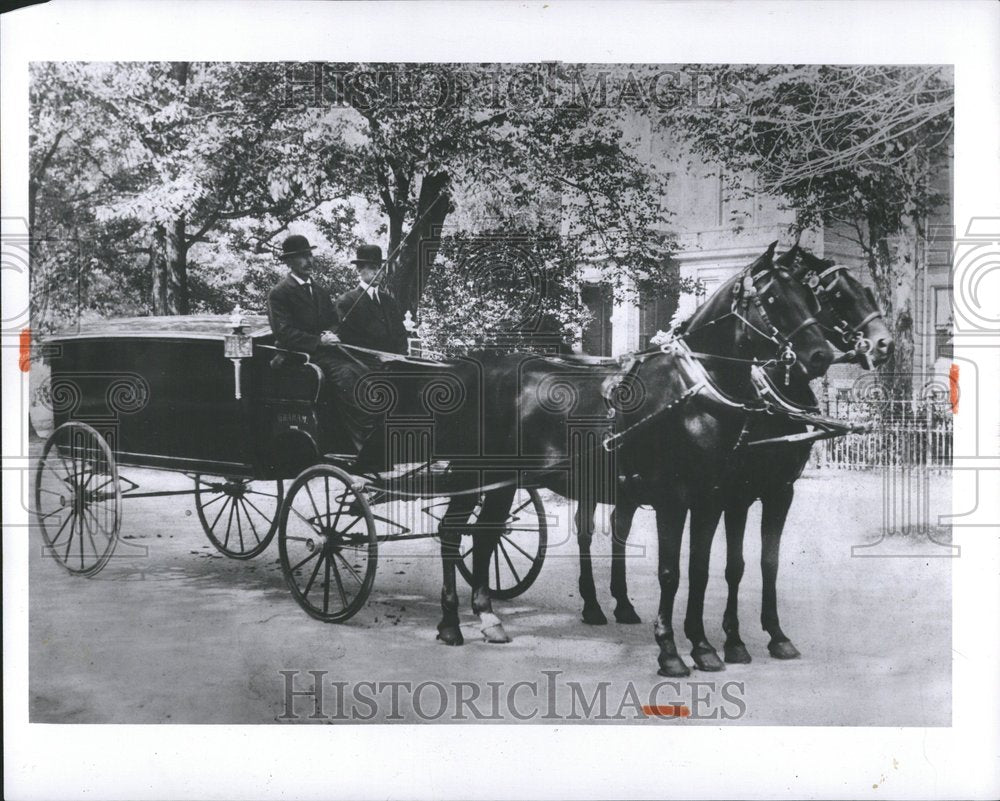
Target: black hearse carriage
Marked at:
211, 396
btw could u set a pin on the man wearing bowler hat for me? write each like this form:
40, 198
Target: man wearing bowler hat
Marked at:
301, 313
303, 318
369, 316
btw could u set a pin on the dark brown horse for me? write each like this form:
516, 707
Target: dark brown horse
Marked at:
851, 319
768, 472
668, 425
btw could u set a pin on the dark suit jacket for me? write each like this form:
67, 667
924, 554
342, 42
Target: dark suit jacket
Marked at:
298, 319
370, 325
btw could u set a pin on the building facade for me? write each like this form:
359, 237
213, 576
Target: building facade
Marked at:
717, 234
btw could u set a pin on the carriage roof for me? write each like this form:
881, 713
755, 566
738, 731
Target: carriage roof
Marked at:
180, 327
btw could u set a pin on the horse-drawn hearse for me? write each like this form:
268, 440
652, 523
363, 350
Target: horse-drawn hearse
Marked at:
716, 415
212, 397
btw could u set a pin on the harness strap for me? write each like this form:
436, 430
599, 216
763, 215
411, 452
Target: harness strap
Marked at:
874, 315
699, 381
766, 387
836, 268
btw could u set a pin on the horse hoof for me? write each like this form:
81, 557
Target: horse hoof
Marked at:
450, 635
593, 616
783, 649
627, 615
708, 660
737, 654
495, 635
674, 667
492, 628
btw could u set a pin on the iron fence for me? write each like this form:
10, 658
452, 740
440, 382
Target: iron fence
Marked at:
901, 434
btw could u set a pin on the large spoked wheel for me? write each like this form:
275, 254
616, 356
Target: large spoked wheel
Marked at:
327, 543
78, 498
239, 516
520, 551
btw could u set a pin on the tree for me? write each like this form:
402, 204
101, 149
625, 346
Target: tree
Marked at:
443, 142
861, 148
178, 177
182, 155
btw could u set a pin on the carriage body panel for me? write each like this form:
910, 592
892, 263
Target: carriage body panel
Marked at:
163, 393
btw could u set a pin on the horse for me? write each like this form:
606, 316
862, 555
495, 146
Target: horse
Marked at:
850, 317
691, 410
768, 472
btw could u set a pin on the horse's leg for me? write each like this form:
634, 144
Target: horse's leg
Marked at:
450, 532
621, 525
592, 613
773, 515
669, 531
704, 519
485, 537
736, 522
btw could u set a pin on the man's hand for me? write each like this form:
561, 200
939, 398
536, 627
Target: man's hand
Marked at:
329, 338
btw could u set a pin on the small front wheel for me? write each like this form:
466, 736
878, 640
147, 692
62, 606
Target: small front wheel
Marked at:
239, 516
327, 543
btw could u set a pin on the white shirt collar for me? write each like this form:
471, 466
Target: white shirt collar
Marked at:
300, 281
371, 289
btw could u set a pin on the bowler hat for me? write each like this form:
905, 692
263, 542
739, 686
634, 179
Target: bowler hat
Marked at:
294, 245
368, 254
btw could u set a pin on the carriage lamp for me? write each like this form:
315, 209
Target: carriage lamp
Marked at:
237, 346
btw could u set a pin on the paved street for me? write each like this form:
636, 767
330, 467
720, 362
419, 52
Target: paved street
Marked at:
172, 632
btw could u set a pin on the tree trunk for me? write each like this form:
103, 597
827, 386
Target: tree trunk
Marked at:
177, 288
419, 247
170, 289
892, 262
905, 249
168, 264
158, 270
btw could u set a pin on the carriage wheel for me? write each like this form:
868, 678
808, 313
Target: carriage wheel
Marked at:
520, 552
327, 543
78, 498
243, 513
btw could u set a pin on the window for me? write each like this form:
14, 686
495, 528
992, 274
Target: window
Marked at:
597, 332
943, 323
655, 314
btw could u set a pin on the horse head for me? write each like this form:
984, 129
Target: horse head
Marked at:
779, 316
847, 309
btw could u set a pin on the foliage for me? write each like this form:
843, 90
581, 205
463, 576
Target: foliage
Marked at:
497, 158
502, 289
150, 163
861, 148
162, 187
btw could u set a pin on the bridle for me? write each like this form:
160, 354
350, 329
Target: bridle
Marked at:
745, 292
851, 336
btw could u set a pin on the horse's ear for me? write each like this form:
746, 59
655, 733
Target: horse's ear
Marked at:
787, 259
766, 261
